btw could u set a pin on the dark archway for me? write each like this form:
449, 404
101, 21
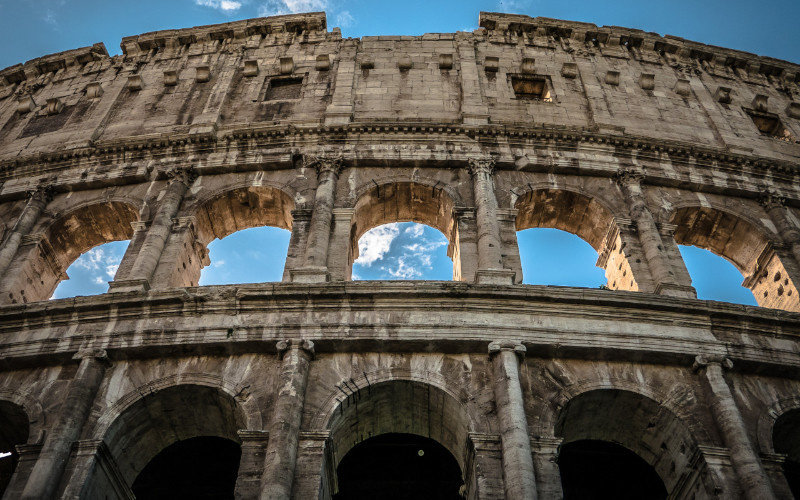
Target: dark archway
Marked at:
786, 439
598, 470
399, 466
197, 468
13, 431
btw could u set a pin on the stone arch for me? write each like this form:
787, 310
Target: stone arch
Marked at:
767, 419
33, 410
594, 221
398, 406
641, 425
405, 201
744, 243
60, 242
217, 215
20, 423
161, 415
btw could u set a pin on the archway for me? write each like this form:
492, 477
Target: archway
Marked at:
399, 466
786, 440
90, 273
745, 246
589, 220
715, 277
168, 426
615, 430
216, 218
571, 261
69, 236
405, 202
14, 429
404, 414
253, 255
402, 251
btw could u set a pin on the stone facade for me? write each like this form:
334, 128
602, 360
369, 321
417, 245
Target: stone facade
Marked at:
632, 141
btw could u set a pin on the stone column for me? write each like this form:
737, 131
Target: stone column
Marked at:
281, 456
315, 268
507, 221
518, 475
751, 475
775, 207
630, 181
339, 265
146, 261
251, 465
490, 259
37, 200
47, 472
464, 247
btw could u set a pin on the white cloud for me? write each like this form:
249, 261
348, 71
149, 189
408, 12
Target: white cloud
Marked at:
415, 230
50, 17
344, 19
376, 243
97, 259
5, 454
218, 263
281, 7
404, 271
223, 5
98, 280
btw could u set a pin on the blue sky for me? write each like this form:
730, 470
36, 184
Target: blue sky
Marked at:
32, 28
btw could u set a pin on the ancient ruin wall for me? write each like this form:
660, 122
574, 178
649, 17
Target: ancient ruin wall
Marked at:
632, 141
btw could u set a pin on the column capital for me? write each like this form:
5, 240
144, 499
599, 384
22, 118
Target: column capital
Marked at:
514, 346
43, 193
770, 199
324, 163
629, 176
185, 176
301, 214
481, 165
98, 354
703, 360
667, 229
284, 346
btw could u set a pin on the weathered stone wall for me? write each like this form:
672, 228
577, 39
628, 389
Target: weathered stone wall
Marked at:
634, 142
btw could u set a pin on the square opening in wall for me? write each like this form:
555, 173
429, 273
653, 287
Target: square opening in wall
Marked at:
770, 125
280, 89
531, 88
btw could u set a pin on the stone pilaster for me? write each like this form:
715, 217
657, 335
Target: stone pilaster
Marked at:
91, 458
281, 455
490, 260
28, 454
315, 268
37, 200
50, 465
752, 478
340, 111
160, 228
339, 258
301, 218
474, 110
775, 206
507, 221
630, 181
545, 465
518, 474
673, 253
251, 465
464, 248
484, 465
311, 479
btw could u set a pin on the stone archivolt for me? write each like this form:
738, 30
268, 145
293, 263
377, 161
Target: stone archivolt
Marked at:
634, 142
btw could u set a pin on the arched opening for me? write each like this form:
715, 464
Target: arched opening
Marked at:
786, 440
14, 430
583, 217
399, 466
199, 467
142, 437
570, 260
220, 217
599, 470
607, 426
714, 277
410, 414
402, 251
253, 255
405, 202
69, 236
91, 272
745, 246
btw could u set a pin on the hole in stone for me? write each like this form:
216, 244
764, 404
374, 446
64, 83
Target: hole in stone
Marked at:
531, 88
777, 276
283, 89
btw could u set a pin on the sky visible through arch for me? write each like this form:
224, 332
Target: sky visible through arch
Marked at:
33, 28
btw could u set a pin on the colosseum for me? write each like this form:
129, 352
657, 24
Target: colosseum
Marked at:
319, 386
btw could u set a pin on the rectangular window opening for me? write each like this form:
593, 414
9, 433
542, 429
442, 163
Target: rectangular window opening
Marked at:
281, 89
531, 88
770, 126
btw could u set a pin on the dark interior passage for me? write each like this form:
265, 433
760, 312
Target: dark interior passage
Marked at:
13, 431
786, 439
595, 470
197, 468
399, 467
